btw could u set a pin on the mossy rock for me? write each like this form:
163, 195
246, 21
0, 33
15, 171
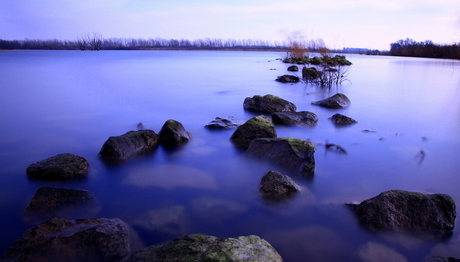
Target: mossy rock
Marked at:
256, 127
268, 104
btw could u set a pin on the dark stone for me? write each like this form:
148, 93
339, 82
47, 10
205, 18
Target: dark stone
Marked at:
294, 118
59, 239
293, 68
200, 247
256, 127
431, 216
310, 73
274, 185
336, 101
50, 202
341, 120
288, 79
225, 123
268, 104
129, 145
62, 166
295, 155
174, 134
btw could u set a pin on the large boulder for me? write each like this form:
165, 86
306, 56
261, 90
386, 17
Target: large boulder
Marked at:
59, 239
268, 104
335, 102
173, 134
200, 247
294, 118
341, 120
50, 202
276, 185
431, 216
288, 79
129, 145
256, 127
62, 166
294, 155
225, 123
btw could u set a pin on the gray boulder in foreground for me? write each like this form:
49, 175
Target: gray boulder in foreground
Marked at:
268, 104
200, 247
295, 155
129, 145
275, 185
173, 133
62, 166
294, 118
256, 127
59, 239
431, 216
335, 102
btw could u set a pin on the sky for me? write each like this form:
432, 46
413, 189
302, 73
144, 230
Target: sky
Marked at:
373, 24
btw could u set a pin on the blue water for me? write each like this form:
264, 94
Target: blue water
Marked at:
71, 101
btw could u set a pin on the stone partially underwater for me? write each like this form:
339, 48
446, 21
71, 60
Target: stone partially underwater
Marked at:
200, 247
62, 166
268, 104
129, 145
429, 216
256, 127
294, 155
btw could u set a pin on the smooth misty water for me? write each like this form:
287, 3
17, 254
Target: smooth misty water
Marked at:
71, 101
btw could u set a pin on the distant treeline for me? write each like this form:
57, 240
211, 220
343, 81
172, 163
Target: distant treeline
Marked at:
96, 43
427, 48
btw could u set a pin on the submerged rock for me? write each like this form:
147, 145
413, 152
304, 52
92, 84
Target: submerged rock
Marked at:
256, 127
288, 79
59, 239
431, 216
225, 123
341, 120
129, 145
295, 155
294, 118
268, 104
50, 202
276, 185
166, 221
173, 133
200, 247
62, 166
336, 101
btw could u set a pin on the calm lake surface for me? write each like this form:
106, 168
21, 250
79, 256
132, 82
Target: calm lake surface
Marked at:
56, 102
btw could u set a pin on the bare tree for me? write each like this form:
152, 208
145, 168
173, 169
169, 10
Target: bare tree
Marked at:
83, 42
96, 41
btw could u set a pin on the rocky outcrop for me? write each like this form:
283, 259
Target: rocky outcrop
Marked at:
341, 120
62, 166
268, 104
50, 202
225, 123
256, 127
335, 102
59, 239
295, 155
129, 145
200, 247
288, 79
293, 68
294, 118
431, 216
276, 185
173, 134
